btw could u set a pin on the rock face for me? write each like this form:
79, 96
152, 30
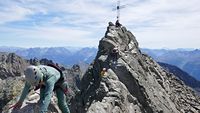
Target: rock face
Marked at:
30, 105
123, 80
11, 65
9, 89
11, 70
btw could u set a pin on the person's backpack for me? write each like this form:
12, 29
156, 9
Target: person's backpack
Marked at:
62, 78
61, 83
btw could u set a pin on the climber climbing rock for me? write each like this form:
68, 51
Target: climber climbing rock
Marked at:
50, 79
104, 72
117, 24
115, 55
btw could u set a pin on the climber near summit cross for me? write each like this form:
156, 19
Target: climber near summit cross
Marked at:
49, 78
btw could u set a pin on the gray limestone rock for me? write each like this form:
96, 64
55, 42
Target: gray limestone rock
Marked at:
11, 65
132, 83
11, 71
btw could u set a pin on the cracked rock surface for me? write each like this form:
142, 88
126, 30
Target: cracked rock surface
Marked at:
131, 83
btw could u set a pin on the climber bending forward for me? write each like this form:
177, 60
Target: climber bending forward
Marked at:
49, 79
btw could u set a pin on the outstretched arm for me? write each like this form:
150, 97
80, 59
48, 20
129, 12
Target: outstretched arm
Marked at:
23, 96
25, 91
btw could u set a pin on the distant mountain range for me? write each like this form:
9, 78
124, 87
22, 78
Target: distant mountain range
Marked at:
187, 60
63, 55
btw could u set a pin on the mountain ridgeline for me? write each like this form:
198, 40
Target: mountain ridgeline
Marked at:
123, 80
187, 60
182, 75
61, 55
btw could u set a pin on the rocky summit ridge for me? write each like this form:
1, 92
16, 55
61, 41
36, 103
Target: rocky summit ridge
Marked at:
123, 80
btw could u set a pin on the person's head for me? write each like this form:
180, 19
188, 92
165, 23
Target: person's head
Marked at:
104, 69
33, 75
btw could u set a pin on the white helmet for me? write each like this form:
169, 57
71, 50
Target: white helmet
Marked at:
33, 75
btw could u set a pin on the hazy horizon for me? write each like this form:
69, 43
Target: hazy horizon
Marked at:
78, 48
155, 24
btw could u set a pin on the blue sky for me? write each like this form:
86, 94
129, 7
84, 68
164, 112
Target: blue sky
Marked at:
82, 23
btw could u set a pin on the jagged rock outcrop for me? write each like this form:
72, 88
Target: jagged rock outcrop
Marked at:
11, 70
11, 65
123, 80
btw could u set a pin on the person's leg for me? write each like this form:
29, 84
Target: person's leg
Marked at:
62, 104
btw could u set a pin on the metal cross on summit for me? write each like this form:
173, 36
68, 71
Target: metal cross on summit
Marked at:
118, 9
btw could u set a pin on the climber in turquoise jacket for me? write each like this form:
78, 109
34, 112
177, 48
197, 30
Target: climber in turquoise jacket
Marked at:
49, 79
